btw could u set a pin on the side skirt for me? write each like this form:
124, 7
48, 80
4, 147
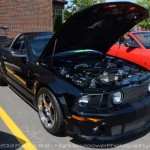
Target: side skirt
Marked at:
22, 96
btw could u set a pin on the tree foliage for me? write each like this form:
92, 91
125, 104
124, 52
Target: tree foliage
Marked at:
145, 3
77, 5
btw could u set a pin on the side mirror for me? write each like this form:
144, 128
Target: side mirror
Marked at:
131, 44
19, 53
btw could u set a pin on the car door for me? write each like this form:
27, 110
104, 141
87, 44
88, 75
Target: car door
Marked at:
143, 39
17, 66
145, 59
121, 50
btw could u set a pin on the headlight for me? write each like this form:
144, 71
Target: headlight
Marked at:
117, 98
89, 101
149, 87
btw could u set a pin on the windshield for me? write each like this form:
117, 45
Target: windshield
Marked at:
144, 38
38, 43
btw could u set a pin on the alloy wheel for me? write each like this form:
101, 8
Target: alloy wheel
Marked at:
46, 110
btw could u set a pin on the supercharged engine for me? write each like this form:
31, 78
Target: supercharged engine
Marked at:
99, 73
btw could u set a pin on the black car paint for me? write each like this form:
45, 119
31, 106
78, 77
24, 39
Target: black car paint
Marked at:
24, 75
27, 76
123, 115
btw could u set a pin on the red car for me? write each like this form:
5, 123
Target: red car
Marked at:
135, 46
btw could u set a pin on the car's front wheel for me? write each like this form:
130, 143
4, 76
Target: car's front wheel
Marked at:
49, 111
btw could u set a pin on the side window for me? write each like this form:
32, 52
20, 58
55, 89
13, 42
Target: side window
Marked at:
132, 42
127, 39
19, 44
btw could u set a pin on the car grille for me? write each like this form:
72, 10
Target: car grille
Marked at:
119, 129
132, 94
135, 93
116, 130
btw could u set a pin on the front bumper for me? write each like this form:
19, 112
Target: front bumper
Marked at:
128, 120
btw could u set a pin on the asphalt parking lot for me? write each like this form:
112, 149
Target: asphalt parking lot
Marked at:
20, 128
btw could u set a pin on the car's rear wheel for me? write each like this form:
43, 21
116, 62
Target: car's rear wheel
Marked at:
49, 111
2, 81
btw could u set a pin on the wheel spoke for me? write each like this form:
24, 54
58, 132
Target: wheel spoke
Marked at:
50, 106
51, 117
42, 96
45, 104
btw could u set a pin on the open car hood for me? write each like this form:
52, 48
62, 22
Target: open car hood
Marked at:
97, 27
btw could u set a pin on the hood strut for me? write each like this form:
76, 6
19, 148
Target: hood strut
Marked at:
55, 43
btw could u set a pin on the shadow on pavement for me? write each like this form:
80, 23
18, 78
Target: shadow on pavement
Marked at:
112, 144
9, 142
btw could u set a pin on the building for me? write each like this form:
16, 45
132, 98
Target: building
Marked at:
30, 15
58, 11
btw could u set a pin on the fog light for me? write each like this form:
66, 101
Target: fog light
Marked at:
117, 98
96, 129
84, 100
149, 87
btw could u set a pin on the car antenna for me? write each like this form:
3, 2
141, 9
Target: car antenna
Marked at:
53, 52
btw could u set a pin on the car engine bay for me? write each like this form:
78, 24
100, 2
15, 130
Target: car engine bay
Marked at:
100, 71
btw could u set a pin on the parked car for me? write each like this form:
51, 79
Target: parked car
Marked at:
5, 28
135, 47
71, 81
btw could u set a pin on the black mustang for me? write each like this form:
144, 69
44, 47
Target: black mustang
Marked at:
72, 83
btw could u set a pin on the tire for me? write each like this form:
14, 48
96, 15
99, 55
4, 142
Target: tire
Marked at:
49, 112
2, 81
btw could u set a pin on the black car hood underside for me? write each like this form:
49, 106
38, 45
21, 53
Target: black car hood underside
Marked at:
96, 27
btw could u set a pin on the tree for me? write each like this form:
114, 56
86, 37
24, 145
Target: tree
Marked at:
77, 5
145, 3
